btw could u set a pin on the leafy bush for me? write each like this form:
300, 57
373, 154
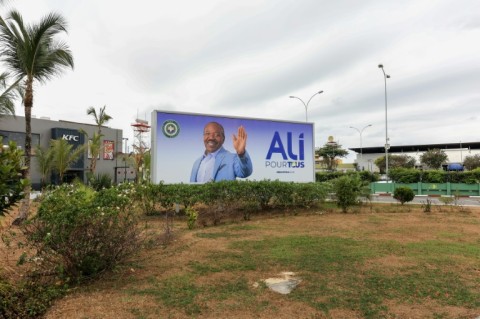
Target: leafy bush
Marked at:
192, 216
404, 175
403, 194
81, 233
364, 175
347, 191
471, 177
472, 162
11, 182
100, 181
369, 176
27, 299
434, 176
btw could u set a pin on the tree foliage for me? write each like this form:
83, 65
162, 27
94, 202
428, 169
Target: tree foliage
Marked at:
8, 96
472, 162
395, 161
32, 54
434, 158
329, 153
347, 190
11, 182
403, 194
101, 118
64, 155
44, 163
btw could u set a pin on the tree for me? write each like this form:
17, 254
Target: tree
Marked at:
63, 156
94, 148
434, 158
329, 152
403, 194
395, 161
32, 54
44, 162
472, 162
101, 118
8, 96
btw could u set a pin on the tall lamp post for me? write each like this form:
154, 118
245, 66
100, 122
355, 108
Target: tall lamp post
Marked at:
306, 105
361, 132
387, 146
125, 139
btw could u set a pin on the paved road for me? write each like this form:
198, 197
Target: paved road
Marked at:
463, 201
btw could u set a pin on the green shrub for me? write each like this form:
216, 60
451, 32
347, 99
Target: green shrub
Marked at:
27, 299
347, 191
427, 206
404, 175
100, 181
11, 182
434, 176
364, 176
192, 216
403, 194
369, 176
81, 233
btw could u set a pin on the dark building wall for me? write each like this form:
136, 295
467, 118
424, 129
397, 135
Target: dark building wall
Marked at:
43, 130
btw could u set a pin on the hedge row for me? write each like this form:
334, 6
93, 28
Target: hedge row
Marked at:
363, 175
246, 195
410, 175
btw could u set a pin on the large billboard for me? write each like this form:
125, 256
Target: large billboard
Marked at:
275, 150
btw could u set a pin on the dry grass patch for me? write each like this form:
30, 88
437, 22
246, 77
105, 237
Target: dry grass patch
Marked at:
380, 262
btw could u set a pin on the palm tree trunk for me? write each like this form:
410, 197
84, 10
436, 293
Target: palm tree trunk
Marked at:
25, 203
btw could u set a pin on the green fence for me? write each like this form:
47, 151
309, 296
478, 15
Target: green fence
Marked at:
429, 188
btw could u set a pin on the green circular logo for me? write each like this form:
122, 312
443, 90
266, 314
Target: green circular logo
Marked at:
170, 128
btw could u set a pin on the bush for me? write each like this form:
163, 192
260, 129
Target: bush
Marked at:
11, 182
434, 176
80, 233
27, 299
404, 175
403, 194
364, 176
100, 181
347, 191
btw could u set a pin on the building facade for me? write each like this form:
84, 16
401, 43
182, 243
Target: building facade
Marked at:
110, 161
456, 153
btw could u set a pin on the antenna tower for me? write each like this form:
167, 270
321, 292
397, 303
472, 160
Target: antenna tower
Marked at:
140, 129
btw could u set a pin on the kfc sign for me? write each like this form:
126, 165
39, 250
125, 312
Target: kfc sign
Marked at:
67, 137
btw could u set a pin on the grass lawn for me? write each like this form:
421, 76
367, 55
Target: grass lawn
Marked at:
382, 262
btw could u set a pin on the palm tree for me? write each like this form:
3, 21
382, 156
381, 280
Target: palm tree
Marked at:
44, 162
63, 155
32, 53
8, 96
94, 147
101, 118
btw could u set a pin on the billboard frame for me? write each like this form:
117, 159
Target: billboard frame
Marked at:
154, 131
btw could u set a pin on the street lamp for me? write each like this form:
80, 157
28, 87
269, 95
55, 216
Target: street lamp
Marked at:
387, 146
306, 105
360, 132
125, 158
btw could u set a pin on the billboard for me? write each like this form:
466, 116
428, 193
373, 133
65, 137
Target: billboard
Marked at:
275, 150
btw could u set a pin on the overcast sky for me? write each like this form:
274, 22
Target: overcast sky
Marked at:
246, 58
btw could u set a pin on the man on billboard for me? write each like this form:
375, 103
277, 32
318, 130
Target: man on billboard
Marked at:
217, 163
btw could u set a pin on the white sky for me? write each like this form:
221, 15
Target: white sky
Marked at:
246, 58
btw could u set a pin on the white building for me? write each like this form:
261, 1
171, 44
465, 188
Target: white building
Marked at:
456, 153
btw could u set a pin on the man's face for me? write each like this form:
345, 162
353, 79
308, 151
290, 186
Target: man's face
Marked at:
213, 137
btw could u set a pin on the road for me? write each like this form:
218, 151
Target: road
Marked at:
462, 201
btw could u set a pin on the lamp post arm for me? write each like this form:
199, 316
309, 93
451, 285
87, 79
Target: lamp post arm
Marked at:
306, 116
312, 97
